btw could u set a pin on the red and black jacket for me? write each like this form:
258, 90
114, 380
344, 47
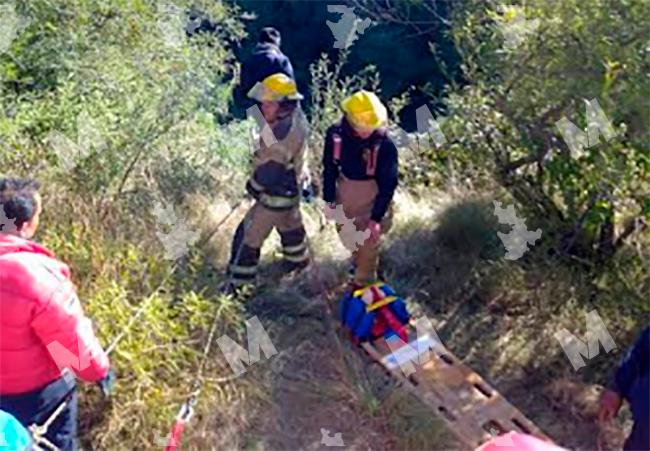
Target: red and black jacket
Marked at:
361, 159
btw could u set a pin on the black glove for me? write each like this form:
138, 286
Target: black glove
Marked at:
106, 384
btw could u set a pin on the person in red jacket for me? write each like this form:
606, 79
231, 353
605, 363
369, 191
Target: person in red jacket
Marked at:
45, 338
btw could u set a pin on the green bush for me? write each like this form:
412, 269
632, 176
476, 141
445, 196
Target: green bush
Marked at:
502, 127
99, 80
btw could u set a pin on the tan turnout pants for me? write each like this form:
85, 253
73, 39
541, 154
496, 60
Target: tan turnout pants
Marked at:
357, 197
257, 225
263, 220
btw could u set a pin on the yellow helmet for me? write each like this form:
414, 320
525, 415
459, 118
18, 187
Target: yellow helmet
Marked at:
275, 88
364, 110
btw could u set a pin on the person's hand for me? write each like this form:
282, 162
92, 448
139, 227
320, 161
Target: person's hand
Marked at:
306, 190
375, 231
329, 211
106, 384
305, 177
610, 403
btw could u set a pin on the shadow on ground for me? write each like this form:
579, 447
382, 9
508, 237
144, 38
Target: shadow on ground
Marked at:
499, 317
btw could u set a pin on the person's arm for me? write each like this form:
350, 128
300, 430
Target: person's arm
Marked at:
633, 365
386, 175
301, 158
68, 335
330, 170
287, 67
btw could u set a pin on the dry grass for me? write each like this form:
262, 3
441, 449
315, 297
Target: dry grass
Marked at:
498, 316
118, 265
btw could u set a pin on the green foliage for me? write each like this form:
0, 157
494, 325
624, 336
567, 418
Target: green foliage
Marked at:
470, 227
329, 87
155, 102
120, 87
399, 51
414, 426
118, 270
503, 126
127, 66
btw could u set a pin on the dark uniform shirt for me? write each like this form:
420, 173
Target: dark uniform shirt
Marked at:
632, 382
353, 165
265, 60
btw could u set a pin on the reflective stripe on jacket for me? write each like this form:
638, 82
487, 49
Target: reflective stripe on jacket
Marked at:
279, 165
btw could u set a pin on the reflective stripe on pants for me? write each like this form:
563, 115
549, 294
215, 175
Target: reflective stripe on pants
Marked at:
294, 245
243, 258
255, 229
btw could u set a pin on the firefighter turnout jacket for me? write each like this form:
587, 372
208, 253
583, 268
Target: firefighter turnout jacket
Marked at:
280, 162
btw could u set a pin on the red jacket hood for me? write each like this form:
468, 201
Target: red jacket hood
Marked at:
42, 325
11, 244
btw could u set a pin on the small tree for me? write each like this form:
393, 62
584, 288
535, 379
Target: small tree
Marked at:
504, 125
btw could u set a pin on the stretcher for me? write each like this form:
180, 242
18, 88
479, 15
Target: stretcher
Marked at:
470, 407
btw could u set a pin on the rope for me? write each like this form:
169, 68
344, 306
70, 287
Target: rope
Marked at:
39, 432
222, 222
186, 410
140, 310
173, 269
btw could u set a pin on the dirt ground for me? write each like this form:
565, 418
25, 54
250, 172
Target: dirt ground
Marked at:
319, 382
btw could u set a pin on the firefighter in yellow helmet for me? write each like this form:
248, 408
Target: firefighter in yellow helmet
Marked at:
360, 173
279, 170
